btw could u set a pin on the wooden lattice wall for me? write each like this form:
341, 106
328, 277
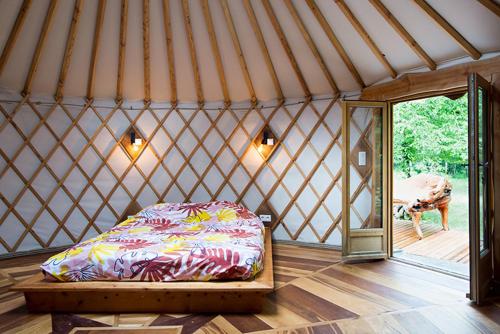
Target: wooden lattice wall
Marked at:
64, 176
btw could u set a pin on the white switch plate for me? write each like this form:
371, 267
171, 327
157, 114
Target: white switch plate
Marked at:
362, 158
265, 218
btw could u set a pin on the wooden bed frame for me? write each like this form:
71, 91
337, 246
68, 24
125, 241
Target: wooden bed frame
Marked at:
156, 297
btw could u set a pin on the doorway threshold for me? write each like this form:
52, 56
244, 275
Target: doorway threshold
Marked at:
444, 267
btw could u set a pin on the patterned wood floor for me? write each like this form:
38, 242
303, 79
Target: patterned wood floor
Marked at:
315, 294
452, 245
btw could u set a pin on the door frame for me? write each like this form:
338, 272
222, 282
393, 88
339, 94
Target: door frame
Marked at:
390, 129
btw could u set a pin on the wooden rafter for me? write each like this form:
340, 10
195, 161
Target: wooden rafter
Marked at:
68, 52
192, 51
405, 35
310, 42
366, 37
335, 41
262, 44
491, 5
286, 46
121, 50
145, 42
237, 48
95, 48
167, 25
448, 28
215, 50
14, 33
39, 47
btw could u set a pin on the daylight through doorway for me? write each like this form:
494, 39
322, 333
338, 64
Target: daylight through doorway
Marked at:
430, 183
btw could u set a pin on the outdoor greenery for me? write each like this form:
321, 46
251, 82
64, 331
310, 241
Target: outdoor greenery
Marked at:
430, 136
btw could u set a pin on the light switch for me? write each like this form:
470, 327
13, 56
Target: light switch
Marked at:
362, 158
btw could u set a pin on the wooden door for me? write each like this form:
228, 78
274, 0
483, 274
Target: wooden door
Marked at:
480, 188
365, 181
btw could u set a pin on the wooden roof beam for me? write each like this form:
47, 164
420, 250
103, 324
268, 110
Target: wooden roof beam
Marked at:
192, 50
95, 48
312, 46
167, 25
216, 51
405, 35
286, 46
121, 50
448, 28
39, 47
14, 33
492, 6
68, 52
262, 44
146, 54
237, 48
335, 42
366, 37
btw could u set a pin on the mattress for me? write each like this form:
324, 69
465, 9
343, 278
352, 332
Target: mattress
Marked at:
217, 240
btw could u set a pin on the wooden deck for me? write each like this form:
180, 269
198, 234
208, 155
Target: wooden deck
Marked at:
452, 245
315, 293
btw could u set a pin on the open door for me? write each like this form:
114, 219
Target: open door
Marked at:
480, 188
365, 180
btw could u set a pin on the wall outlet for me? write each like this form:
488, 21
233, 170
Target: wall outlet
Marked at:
265, 218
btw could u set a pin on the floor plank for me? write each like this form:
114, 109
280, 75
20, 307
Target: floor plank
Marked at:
315, 293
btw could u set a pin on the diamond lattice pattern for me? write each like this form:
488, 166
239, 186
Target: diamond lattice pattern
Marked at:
64, 176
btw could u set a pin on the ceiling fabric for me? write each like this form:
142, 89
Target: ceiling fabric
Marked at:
232, 50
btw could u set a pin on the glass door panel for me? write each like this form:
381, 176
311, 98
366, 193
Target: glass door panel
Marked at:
364, 180
480, 188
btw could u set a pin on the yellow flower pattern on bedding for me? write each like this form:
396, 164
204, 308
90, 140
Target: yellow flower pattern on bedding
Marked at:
169, 242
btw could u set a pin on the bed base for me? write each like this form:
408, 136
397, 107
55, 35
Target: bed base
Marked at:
155, 297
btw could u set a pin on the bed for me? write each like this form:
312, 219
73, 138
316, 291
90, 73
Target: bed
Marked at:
170, 257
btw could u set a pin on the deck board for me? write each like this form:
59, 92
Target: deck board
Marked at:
452, 245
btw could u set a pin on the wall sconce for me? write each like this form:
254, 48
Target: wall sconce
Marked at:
265, 142
132, 142
136, 142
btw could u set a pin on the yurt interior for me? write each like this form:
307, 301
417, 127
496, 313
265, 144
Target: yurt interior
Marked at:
249, 166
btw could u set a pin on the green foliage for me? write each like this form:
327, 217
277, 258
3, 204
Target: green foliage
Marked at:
430, 135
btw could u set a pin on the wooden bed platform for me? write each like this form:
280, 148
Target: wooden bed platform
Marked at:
157, 297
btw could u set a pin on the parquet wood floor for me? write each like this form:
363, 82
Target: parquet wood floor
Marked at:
315, 293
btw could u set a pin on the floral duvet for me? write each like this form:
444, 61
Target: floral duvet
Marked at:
169, 242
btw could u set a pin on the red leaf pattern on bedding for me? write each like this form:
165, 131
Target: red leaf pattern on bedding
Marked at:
169, 242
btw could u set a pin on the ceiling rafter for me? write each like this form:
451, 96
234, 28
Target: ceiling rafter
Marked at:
492, 6
216, 51
262, 44
286, 46
405, 35
39, 47
167, 26
312, 46
192, 51
68, 52
146, 53
237, 48
335, 41
448, 28
121, 50
366, 37
14, 33
95, 48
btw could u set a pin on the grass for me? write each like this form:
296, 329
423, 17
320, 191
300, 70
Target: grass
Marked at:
458, 213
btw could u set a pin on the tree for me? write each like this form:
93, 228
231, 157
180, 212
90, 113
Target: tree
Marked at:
430, 135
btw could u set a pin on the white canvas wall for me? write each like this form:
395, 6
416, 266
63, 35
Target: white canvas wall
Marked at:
64, 178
